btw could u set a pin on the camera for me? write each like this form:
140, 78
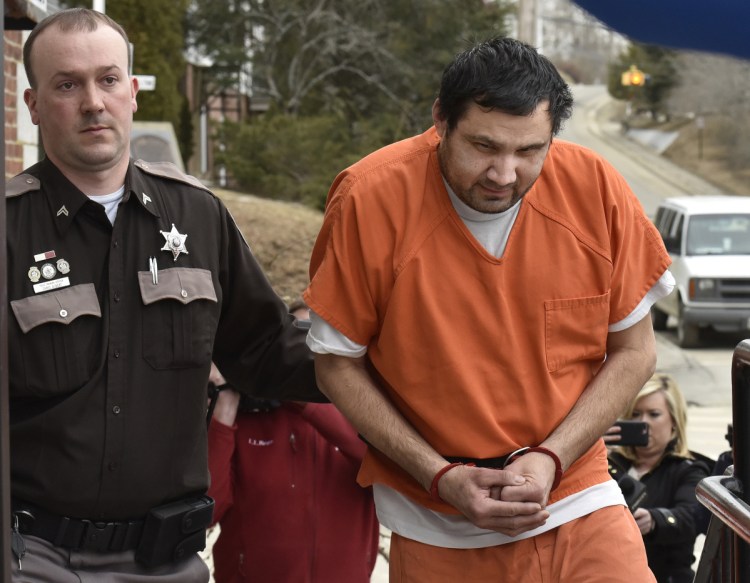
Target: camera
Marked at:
634, 491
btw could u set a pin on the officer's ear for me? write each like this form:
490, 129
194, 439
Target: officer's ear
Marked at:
134, 92
29, 97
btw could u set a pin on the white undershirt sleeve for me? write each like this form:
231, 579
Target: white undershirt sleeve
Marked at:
322, 338
661, 288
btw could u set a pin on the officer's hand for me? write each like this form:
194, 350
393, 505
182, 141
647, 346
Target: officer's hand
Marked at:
225, 411
475, 492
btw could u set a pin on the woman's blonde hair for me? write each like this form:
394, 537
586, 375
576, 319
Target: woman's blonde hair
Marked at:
677, 409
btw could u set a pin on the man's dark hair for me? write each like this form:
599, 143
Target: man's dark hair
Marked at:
506, 75
73, 19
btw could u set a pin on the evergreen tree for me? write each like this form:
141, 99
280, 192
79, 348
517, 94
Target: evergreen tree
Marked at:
661, 77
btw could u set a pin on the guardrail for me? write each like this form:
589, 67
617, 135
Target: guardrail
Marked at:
726, 552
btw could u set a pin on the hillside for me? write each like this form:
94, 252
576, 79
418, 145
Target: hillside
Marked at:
707, 155
281, 235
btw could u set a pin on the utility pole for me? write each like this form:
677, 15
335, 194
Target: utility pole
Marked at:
5, 518
528, 18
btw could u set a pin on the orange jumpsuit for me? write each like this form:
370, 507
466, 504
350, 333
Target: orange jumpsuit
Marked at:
482, 355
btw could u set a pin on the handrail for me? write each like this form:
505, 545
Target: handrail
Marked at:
720, 495
741, 447
4, 415
741, 414
726, 552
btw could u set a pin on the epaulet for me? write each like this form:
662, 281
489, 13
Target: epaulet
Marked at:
171, 172
21, 184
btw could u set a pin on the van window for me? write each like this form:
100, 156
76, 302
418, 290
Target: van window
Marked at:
666, 221
663, 221
677, 237
719, 235
659, 219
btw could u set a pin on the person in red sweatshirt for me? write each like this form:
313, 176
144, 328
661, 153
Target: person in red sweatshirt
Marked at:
283, 476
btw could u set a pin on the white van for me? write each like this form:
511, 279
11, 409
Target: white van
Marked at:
708, 238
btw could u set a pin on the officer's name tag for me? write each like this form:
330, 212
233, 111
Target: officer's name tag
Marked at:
54, 284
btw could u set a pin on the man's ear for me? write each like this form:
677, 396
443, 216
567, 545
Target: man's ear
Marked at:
134, 92
441, 125
29, 97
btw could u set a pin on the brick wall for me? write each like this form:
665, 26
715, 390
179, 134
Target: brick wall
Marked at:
13, 61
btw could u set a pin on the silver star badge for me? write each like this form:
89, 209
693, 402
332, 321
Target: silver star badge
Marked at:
175, 242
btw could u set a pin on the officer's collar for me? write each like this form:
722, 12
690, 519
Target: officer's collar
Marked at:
66, 200
143, 191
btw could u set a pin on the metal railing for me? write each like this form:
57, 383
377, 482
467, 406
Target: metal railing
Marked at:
726, 551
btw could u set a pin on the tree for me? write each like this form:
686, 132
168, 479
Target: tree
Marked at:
286, 157
290, 48
661, 77
365, 70
425, 35
311, 54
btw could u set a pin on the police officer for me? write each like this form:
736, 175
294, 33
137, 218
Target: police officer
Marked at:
125, 280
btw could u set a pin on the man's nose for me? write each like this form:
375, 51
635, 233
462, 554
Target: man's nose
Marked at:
92, 99
503, 170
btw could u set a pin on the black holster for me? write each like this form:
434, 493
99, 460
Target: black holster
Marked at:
174, 531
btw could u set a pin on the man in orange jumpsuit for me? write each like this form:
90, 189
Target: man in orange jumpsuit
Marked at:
480, 298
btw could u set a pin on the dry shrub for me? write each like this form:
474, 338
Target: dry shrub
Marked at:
281, 235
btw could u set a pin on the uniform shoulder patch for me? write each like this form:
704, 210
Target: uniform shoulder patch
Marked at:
171, 172
21, 184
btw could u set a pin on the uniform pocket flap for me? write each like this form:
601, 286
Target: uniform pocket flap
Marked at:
184, 284
61, 306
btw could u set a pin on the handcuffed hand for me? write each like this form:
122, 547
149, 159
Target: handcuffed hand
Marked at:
538, 471
476, 493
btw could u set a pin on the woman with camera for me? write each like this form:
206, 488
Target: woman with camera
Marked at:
666, 516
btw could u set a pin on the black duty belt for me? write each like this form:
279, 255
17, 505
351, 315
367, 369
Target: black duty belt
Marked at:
74, 533
490, 462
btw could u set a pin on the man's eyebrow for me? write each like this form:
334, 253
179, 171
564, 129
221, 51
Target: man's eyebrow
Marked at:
77, 73
110, 68
495, 144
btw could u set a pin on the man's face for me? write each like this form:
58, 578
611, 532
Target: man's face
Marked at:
491, 159
84, 100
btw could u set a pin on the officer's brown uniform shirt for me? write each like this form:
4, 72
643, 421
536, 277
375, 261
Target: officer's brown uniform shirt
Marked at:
108, 366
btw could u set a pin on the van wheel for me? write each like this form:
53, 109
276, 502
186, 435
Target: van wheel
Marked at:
658, 319
688, 335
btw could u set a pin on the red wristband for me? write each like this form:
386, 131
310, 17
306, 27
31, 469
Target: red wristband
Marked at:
545, 451
436, 480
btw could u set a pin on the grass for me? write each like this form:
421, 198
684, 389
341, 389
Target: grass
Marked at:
711, 160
